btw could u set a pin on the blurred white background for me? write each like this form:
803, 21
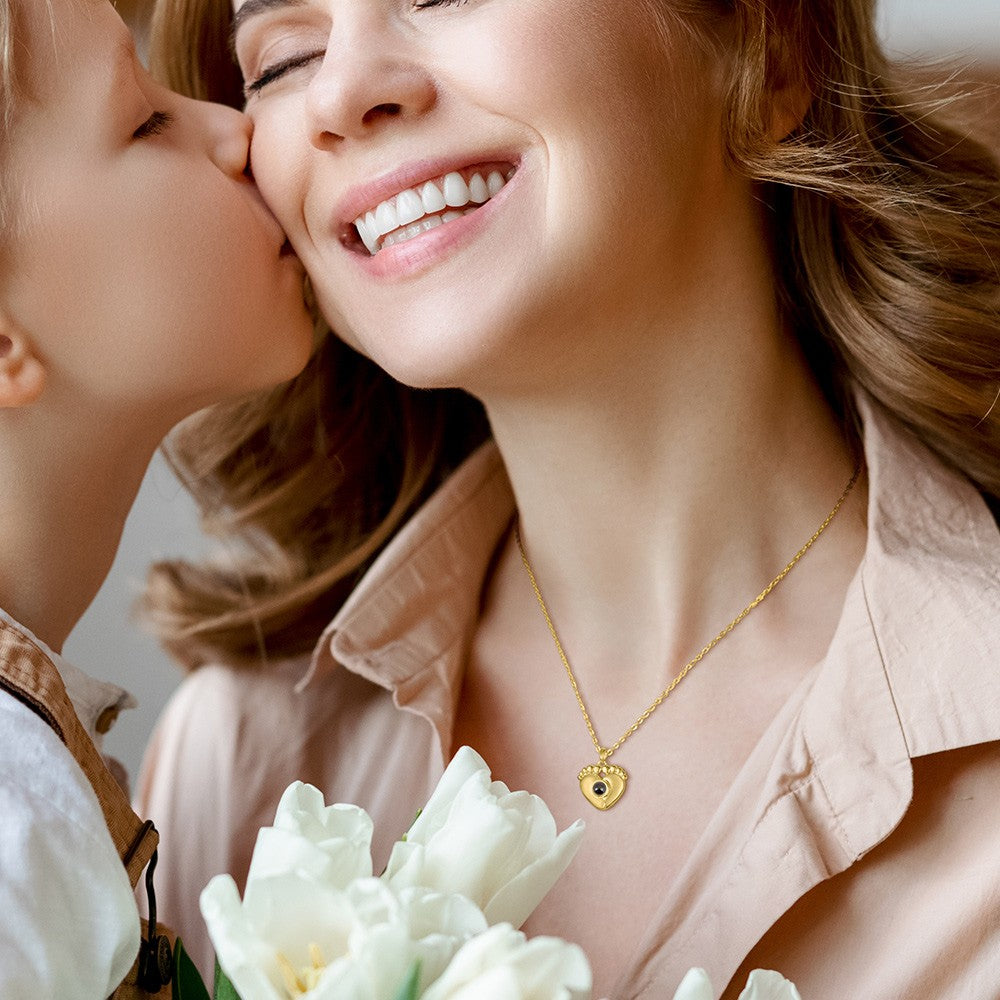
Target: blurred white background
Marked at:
108, 644
943, 26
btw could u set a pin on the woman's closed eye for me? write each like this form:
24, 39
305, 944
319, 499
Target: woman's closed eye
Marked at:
274, 72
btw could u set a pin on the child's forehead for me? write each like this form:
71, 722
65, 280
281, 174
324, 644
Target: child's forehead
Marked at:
60, 36
52, 18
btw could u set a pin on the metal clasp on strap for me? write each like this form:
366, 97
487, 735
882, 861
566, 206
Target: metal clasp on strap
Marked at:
156, 957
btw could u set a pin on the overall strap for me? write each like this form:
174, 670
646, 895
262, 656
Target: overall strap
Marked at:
28, 674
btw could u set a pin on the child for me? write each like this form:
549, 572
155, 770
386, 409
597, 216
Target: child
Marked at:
142, 279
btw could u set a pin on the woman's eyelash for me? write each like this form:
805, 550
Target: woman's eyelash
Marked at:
156, 123
279, 69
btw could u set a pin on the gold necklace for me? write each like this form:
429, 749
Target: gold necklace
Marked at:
603, 784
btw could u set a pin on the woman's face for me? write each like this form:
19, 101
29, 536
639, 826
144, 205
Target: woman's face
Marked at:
141, 260
514, 166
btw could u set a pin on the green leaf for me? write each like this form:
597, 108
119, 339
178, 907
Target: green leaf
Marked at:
224, 989
187, 983
411, 985
415, 818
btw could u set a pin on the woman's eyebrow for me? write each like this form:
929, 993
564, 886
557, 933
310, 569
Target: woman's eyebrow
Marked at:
254, 8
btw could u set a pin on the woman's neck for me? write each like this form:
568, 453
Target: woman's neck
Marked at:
659, 498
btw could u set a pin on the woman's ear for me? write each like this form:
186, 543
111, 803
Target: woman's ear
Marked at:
789, 105
790, 93
22, 374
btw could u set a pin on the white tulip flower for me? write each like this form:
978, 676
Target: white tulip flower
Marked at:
762, 985
329, 843
294, 936
476, 837
502, 964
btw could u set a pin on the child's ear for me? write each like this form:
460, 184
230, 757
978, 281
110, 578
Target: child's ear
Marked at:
22, 374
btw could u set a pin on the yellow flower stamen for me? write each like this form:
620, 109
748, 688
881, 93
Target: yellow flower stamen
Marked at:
298, 982
294, 986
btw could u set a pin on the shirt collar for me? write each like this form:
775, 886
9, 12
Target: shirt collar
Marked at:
97, 703
931, 579
911, 670
925, 624
408, 624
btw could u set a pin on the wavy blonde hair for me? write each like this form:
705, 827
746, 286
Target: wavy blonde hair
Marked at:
886, 217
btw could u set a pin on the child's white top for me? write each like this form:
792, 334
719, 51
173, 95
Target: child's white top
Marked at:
69, 926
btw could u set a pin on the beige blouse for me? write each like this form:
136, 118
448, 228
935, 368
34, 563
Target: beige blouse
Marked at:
858, 850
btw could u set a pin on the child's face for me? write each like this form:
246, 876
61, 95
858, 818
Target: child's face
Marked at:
142, 261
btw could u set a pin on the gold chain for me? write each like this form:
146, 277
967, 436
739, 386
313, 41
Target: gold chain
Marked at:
606, 752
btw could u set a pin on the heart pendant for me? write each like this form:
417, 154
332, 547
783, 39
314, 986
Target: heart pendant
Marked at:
603, 784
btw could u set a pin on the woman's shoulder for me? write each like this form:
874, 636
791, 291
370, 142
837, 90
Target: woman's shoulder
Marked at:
219, 712
227, 729
917, 915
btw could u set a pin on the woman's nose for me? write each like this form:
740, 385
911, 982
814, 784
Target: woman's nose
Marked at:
364, 81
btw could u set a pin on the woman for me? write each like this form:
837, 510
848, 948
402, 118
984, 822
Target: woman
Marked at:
728, 296
143, 278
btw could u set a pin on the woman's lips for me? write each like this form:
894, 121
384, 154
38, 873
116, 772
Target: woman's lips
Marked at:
415, 210
415, 254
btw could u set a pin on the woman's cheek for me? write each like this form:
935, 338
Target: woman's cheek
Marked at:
278, 160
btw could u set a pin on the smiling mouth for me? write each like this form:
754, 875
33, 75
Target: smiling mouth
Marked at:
417, 210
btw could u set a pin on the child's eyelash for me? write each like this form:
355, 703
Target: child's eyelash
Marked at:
156, 123
423, 4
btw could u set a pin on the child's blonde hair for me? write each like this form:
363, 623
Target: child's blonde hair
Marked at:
6, 58
7, 90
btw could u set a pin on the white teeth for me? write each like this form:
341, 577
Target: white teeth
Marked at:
368, 236
402, 235
430, 195
478, 191
431, 222
409, 207
456, 191
417, 210
386, 219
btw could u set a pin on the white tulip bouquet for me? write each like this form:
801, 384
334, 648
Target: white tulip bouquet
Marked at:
440, 923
